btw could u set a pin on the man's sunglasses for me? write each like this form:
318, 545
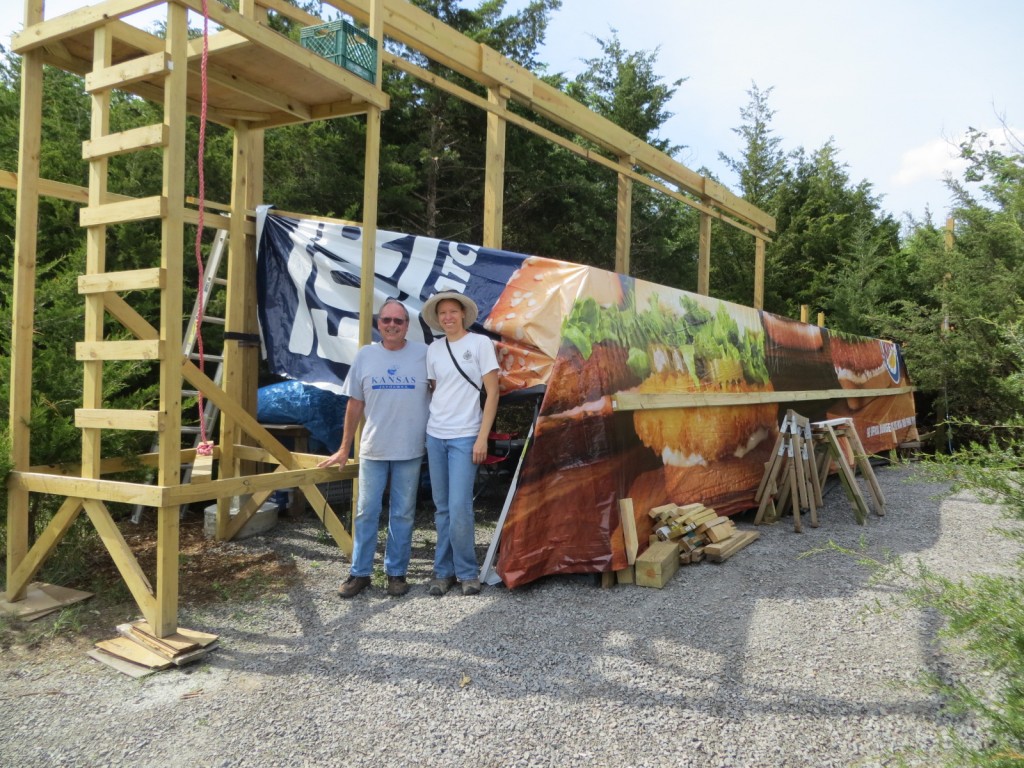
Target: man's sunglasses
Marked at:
391, 320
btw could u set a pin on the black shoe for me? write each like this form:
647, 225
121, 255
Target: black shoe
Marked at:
440, 587
353, 585
397, 586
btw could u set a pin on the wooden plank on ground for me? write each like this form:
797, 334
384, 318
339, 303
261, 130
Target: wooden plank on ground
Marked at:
628, 522
42, 599
719, 553
132, 651
657, 564
121, 665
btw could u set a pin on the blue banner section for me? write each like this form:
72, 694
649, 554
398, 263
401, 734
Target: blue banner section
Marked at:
309, 275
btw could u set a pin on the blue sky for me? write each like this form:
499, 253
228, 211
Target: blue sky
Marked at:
894, 83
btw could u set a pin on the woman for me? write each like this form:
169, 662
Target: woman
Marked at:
460, 366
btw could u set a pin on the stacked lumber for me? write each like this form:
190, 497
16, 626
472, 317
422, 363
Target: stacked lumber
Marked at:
683, 535
137, 651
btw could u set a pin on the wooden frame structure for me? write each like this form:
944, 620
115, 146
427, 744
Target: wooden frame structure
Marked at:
256, 80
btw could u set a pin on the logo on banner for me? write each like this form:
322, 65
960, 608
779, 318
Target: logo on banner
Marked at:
891, 356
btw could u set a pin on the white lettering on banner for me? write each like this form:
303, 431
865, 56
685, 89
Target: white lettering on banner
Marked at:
454, 277
300, 341
335, 252
421, 263
881, 429
340, 348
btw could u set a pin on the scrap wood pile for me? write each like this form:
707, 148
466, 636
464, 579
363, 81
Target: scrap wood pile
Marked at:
804, 454
683, 535
138, 652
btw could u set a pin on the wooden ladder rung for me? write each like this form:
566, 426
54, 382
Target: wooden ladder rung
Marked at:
129, 280
121, 143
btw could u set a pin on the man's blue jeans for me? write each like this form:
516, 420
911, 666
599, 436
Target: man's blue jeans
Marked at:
452, 474
373, 478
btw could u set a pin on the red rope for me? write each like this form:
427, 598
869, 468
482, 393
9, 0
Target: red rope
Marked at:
204, 448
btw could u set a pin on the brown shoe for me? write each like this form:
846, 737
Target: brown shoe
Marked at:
353, 585
439, 587
471, 587
397, 586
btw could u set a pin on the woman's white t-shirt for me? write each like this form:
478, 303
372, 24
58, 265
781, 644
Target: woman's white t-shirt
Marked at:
455, 404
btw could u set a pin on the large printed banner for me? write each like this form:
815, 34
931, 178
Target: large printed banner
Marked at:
594, 339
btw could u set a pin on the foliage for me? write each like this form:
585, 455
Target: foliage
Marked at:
761, 168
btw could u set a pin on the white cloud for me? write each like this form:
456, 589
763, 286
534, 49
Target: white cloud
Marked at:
933, 160
929, 162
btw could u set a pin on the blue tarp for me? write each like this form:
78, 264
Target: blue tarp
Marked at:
319, 411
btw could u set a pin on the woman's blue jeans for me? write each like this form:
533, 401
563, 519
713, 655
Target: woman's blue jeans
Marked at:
373, 478
452, 474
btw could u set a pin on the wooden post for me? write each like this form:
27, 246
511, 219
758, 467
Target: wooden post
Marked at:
624, 218
759, 248
241, 357
371, 181
23, 296
704, 256
164, 619
494, 174
821, 319
805, 313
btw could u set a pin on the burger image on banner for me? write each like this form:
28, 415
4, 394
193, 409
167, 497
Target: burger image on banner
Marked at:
713, 454
587, 454
863, 363
529, 312
797, 355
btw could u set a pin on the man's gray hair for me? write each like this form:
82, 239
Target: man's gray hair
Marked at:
393, 300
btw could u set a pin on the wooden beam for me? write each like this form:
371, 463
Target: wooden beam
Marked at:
262, 36
129, 280
35, 36
291, 12
704, 256
229, 79
26, 217
126, 141
76, 194
114, 418
86, 488
624, 217
139, 209
124, 73
133, 575
241, 361
567, 144
43, 547
759, 248
634, 401
494, 173
119, 350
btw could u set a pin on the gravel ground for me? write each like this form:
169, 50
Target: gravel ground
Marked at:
773, 658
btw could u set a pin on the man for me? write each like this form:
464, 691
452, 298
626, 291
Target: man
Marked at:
387, 384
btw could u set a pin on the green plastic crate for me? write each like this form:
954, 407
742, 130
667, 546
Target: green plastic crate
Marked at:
343, 44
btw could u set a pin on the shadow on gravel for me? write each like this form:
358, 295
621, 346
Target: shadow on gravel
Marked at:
771, 632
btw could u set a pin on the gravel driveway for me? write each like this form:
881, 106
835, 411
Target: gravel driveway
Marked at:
769, 659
